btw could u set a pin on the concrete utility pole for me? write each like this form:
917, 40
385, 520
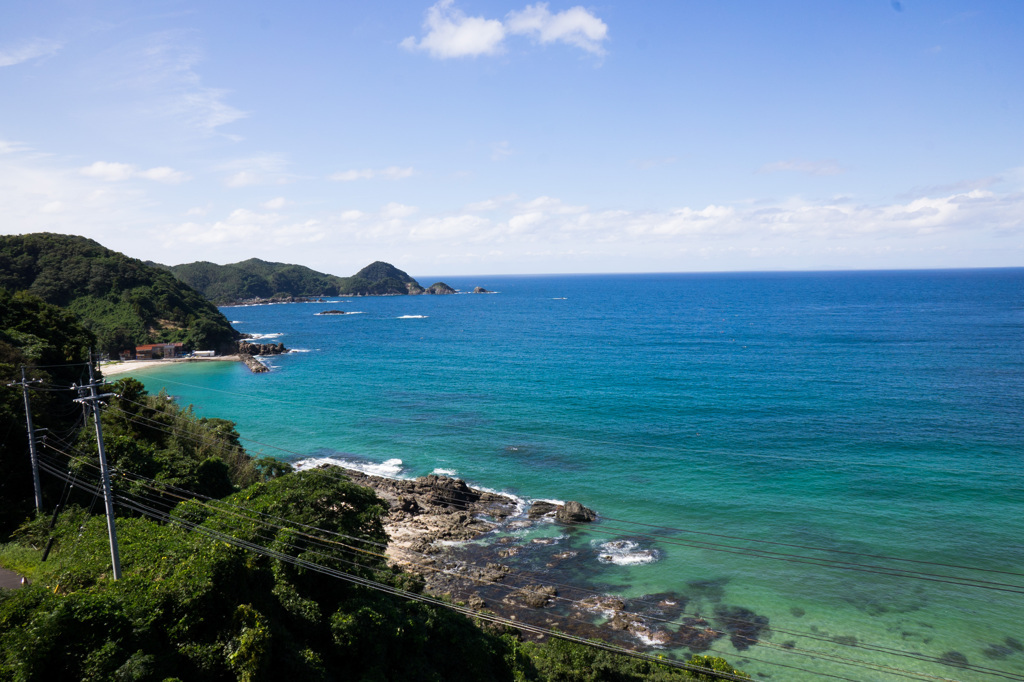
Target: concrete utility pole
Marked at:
31, 436
93, 401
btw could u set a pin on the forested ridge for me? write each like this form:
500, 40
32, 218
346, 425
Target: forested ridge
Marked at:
256, 279
121, 300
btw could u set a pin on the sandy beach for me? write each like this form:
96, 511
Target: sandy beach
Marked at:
110, 369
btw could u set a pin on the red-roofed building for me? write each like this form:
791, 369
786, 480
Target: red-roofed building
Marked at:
152, 351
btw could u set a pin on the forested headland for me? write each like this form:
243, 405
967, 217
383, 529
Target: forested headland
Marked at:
121, 300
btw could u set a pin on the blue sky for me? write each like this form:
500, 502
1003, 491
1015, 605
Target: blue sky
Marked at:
487, 137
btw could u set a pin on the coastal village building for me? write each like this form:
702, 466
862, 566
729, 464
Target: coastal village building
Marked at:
152, 351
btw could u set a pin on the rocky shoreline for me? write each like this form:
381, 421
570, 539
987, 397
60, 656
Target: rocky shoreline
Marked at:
470, 545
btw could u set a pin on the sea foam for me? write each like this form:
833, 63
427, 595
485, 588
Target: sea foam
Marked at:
625, 553
391, 468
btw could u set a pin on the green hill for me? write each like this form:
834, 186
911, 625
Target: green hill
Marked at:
121, 300
258, 279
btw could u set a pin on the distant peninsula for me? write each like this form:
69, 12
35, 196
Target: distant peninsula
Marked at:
258, 281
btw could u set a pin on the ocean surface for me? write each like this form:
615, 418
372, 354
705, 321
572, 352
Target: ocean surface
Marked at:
839, 453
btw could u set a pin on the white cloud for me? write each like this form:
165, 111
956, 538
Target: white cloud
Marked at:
396, 210
114, 172
823, 167
352, 215
8, 147
389, 173
450, 33
28, 51
268, 169
244, 225
575, 26
275, 203
490, 204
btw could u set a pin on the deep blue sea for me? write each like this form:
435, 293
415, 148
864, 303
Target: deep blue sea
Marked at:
870, 422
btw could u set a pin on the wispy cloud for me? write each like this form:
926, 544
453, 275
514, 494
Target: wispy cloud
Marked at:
501, 150
275, 204
450, 33
27, 51
823, 167
113, 172
389, 173
165, 66
267, 169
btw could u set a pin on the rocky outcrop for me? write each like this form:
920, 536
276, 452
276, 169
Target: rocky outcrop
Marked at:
249, 348
254, 365
541, 508
534, 596
569, 513
331, 312
439, 288
481, 290
574, 512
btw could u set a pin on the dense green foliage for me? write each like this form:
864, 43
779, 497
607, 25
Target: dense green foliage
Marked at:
153, 437
53, 346
123, 301
258, 279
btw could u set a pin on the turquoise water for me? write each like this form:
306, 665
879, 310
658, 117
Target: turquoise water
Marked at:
869, 413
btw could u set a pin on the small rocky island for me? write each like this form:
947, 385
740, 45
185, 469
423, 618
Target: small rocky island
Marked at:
332, 312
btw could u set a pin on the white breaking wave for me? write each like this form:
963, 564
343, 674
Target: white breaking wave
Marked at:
412, 317
391, 468
625, 553
445, 472
299, 350
275, 335
237, 321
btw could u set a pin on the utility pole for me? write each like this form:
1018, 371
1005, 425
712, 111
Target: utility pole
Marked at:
93, 401
31, 436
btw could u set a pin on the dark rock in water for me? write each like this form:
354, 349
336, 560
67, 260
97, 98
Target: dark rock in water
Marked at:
954, 659
541, 508
1014, 644
481, 290
788, 644
743, 625
997, 652
333, 312
697, 639
574, 512
712, 590
599, 602
250, 348
797, 612
535, 596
